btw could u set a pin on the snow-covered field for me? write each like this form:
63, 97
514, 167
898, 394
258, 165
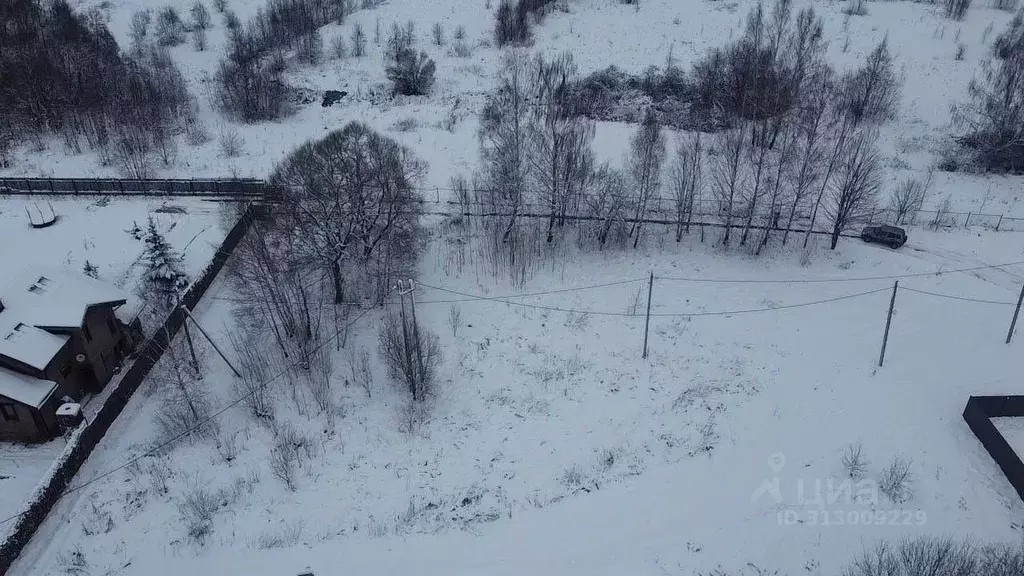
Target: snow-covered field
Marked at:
552, 446
91, 230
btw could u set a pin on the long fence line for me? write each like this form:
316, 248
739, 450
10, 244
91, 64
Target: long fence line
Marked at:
86, 440
227, 187
257, 189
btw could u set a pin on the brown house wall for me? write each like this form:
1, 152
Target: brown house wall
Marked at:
103, 353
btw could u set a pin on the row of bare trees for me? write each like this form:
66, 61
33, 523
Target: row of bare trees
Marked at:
796, 141
62, 73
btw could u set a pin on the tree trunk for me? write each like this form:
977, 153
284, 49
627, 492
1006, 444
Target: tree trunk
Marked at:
339, 283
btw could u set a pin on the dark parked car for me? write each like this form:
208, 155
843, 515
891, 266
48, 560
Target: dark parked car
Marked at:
891, 236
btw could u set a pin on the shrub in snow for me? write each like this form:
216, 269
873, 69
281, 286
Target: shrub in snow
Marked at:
338, 47
200, 16
854, 462
73, 562
358, 41
511, 25
197, 510
411, 353
140, 27
437, 33
90, 270
895, 480
170, 30
411, 74
939, 556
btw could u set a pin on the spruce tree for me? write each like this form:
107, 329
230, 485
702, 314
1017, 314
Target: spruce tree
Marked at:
163, 264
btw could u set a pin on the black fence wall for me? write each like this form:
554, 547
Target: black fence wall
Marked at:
92, 186
977, 414
47, 496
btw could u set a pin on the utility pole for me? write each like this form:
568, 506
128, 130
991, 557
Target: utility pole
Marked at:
212, 343
888, 322
1016, 313
188, 337
647, 322
406, 352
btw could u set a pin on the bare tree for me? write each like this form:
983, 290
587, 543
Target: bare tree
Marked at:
781, 164
727, 178
255, 364
837, 131
607, 204
871, 93
993, 116
908, 198
858, 180
351, 197
808, 142
504, 135
647, 153
560, 151
957, 9
687, 180
358, 41
411, 354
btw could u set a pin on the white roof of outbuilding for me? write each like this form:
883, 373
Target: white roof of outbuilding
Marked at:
25, 389
57, 298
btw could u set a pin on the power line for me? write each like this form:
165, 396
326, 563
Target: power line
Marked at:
961, 298
661, 315
829, 280
206, 421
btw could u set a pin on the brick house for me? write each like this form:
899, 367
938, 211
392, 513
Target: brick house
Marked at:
63, 336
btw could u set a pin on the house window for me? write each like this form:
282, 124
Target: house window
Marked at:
85, 330
111, 325
65, 370
9, 412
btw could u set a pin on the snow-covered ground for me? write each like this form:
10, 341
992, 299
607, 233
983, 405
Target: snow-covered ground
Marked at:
91, 230
551, 445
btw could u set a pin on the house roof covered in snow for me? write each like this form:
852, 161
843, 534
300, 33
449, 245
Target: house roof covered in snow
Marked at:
26, 343
48, 297
25, 389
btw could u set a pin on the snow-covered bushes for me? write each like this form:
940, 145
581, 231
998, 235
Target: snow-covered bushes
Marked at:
895, 480
411, 74
938, 556
170, 30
